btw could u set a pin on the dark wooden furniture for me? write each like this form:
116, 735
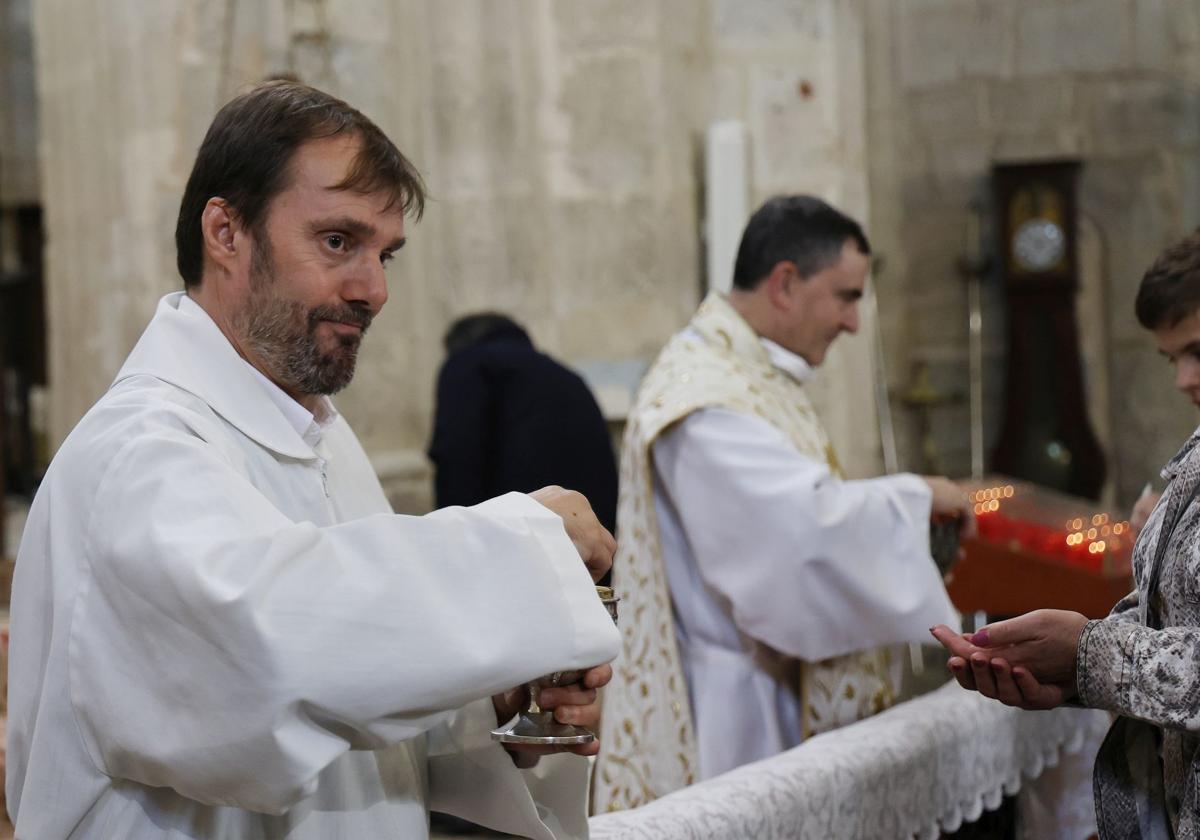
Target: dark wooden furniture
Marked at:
1045, 435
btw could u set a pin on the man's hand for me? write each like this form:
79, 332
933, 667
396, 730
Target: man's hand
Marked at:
951, 500
592, 540
1028, 661
576, 704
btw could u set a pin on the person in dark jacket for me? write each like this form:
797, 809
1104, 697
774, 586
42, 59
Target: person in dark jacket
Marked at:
509, 417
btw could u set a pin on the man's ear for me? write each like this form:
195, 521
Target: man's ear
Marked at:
220, 226
778, 284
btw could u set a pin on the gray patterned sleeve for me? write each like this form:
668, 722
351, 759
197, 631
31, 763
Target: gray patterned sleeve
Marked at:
1153, 675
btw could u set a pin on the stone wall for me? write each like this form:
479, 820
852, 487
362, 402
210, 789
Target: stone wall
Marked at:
557, 147
125, 91
559, 154
561, 140
794, 74
957, 84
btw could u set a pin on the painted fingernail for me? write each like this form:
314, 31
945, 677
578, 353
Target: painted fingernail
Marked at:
981, 638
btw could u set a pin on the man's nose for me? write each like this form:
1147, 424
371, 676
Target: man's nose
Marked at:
1187, 374
850, 322
367, 285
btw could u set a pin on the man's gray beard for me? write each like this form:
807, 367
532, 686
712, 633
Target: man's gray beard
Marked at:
282, 334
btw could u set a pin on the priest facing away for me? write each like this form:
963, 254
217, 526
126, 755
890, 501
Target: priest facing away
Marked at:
219, 628
768, 584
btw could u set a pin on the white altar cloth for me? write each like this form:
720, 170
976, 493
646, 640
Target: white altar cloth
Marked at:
916, 770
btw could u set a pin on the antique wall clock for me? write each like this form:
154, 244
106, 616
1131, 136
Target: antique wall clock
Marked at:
1045, 435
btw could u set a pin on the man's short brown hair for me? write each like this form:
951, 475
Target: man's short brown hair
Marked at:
1170, 289
245, 155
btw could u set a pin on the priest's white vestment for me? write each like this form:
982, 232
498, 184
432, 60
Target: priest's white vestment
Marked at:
759, 585
220, 630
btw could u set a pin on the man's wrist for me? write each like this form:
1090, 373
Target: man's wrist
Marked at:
1101, 676
1072, 689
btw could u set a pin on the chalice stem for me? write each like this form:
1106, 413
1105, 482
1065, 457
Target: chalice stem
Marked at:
533, 707
537, 726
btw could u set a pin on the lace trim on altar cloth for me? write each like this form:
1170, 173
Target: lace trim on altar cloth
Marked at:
917, 770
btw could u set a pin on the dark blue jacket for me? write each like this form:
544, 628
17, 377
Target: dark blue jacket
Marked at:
511, 418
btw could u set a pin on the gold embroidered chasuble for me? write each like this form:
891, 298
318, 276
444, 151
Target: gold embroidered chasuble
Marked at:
649, 747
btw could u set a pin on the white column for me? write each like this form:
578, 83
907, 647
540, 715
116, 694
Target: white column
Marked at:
725, 190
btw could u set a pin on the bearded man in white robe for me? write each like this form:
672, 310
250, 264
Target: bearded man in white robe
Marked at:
759, 585
219, 628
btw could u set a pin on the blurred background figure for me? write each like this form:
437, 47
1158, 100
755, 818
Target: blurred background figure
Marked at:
509, 417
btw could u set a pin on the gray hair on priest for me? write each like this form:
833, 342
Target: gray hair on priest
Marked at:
801, 229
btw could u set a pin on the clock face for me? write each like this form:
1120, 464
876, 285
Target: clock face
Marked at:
1039, 245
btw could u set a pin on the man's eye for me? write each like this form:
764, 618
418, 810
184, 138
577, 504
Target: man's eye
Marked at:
335, 241
386, 257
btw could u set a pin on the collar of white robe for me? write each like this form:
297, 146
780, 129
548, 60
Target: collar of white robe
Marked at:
188, 350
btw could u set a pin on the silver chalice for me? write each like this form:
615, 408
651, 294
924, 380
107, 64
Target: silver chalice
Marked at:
536, 726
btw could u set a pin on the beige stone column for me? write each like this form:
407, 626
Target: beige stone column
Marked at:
125, 90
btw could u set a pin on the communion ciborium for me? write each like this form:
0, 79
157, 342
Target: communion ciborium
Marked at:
535, 726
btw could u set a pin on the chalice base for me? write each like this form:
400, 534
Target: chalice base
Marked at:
541, 728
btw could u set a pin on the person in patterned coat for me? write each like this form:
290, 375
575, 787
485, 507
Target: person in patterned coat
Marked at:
1143, 660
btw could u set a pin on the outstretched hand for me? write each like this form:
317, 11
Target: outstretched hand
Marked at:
1028, 661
